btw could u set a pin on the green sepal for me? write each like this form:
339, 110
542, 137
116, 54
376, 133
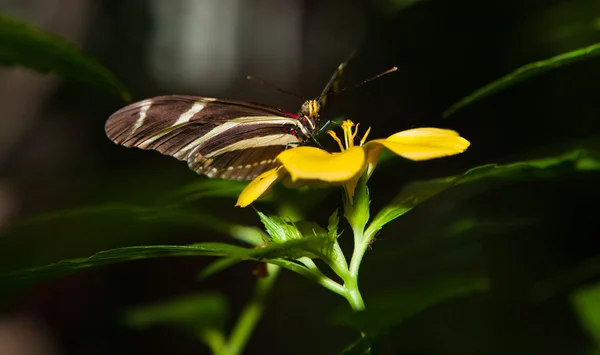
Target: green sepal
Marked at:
357, 213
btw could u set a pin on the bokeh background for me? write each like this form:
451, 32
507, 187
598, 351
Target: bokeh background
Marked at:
54, 155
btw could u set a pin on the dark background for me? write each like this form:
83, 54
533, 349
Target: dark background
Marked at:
54, 155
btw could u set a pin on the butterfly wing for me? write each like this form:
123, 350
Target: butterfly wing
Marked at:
219, 138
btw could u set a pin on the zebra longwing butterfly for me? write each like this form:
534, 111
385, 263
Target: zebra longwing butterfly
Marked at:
218, 138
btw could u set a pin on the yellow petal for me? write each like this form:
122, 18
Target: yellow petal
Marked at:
424, 143
260, 186
310, 163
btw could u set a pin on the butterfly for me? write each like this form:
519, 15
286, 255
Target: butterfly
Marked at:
219, 138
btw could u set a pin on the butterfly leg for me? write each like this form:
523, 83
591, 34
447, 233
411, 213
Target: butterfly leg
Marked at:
326, 126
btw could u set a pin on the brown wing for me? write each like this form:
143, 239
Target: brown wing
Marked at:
218, 138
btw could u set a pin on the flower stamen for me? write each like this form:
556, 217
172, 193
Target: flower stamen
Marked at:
364, 138
335, 138
355, 133
347, 127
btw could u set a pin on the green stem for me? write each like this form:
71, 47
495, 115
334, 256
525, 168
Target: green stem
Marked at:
353, 296
360, 247
215, 340
312, 272
252, 313
351, 280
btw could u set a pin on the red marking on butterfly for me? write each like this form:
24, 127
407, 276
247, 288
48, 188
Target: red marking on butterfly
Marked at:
291, 114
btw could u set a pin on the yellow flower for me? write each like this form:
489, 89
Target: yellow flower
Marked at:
309, 165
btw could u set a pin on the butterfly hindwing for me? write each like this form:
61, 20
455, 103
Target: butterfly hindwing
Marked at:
218, 138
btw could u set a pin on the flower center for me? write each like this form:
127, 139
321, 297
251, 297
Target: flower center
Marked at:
349, 135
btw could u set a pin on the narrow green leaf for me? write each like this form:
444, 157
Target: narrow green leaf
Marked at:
293, 248
196, 311
409, 197
525, 72
24, 45
586, 302
545, 168
392, 309
65, 267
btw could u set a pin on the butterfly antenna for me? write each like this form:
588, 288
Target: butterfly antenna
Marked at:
260, 81
391, 70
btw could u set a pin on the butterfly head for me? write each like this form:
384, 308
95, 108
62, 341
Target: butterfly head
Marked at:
309, 113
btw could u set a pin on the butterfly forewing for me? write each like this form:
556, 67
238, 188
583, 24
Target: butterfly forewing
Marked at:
218, 138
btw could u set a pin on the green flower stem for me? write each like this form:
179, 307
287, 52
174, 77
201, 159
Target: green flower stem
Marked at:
353, 295
351, 280
360, 247
252, 313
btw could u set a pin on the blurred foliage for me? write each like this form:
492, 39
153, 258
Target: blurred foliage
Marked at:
24, 45
197, 311
586, 301
526, 72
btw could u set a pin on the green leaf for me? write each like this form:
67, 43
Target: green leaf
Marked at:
24, 45
392, 309
525, 72
279, 230
586, 302
65, 267
19, 278
319, 244
360, 346
197, 311
545, 168
409, 198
